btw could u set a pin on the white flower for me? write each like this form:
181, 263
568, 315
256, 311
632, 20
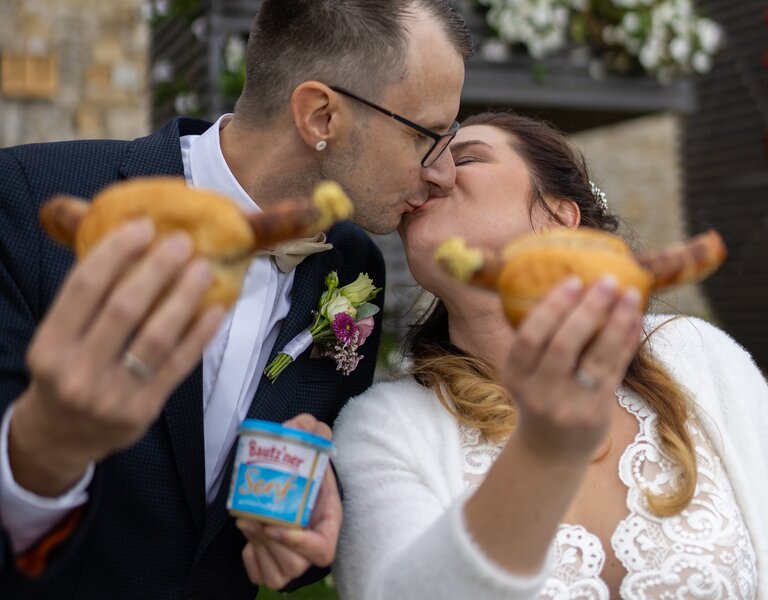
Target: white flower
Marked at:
631, 22
536, 48
684, 9
710, 35
360, 290
701, 62
664, 13
667, 36
541, 25
680, 50
650, 56
336, 305
561, 19
542, 16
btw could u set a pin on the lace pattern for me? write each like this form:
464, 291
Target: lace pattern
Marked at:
703, 553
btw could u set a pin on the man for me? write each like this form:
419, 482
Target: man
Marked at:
114, 459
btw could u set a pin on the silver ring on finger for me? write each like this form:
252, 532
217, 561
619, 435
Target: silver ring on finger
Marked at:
586, 380
137, 367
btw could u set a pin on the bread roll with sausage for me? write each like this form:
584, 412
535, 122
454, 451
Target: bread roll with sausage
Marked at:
219, 229
530, 266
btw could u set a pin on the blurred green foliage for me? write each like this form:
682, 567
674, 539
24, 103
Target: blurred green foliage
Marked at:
322, 590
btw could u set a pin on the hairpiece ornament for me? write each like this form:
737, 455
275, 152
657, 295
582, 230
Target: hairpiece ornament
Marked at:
599, 197
320, 146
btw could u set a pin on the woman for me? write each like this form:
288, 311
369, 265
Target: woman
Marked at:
591, 453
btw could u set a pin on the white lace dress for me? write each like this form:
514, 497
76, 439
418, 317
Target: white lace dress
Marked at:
705, 552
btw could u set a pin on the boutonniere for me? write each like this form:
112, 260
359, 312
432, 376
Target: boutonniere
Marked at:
343, 321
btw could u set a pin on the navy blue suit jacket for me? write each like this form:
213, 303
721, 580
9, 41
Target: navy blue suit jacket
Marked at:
146, 531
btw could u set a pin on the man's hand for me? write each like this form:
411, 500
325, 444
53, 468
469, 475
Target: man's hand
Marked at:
276, 555
85, 401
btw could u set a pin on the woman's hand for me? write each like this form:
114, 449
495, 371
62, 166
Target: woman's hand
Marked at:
569, 355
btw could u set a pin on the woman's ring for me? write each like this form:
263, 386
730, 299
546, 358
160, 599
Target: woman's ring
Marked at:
586, 380
134, 365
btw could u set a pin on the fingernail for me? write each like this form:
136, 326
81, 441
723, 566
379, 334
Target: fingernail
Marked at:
631, 298
573, 284
142, 229
179, 243
274, 534
607, 284
202, 271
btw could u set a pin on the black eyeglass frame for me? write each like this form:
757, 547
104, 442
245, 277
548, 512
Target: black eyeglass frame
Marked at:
437, 138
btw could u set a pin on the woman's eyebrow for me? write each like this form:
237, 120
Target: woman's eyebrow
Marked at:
459, 146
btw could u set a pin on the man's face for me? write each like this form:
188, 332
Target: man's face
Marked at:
381, 166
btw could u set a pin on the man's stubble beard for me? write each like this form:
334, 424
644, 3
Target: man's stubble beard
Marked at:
344, 166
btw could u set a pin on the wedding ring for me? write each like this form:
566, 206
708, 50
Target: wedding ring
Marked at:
586, 380
134, 365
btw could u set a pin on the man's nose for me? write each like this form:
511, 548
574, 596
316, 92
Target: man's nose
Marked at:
441, 173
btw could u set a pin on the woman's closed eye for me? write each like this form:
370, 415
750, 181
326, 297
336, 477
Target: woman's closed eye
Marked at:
466, 159
471, 151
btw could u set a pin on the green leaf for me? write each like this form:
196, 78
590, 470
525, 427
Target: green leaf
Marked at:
366, 310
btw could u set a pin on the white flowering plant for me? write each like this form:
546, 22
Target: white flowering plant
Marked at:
665, 38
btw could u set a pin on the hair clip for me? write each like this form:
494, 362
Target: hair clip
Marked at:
599, 197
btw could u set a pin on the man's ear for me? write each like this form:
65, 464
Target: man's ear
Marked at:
314, 108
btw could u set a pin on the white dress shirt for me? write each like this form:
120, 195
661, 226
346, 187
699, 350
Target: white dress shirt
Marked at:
232, 362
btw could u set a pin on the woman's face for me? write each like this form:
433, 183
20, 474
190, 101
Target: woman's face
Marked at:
488, 206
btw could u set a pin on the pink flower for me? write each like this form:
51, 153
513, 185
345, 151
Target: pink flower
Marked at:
365, 327
344, 327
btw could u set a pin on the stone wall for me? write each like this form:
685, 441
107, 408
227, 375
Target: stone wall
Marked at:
100, 50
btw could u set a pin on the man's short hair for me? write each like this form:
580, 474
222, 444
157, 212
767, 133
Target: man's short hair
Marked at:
358, 44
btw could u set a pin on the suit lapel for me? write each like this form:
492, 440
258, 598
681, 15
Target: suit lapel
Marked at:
160, 154
272, 400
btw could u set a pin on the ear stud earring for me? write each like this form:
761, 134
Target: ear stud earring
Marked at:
320, 146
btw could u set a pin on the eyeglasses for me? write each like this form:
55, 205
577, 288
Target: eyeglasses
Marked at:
440, 141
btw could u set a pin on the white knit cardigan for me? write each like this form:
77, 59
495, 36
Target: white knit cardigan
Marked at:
400, 462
